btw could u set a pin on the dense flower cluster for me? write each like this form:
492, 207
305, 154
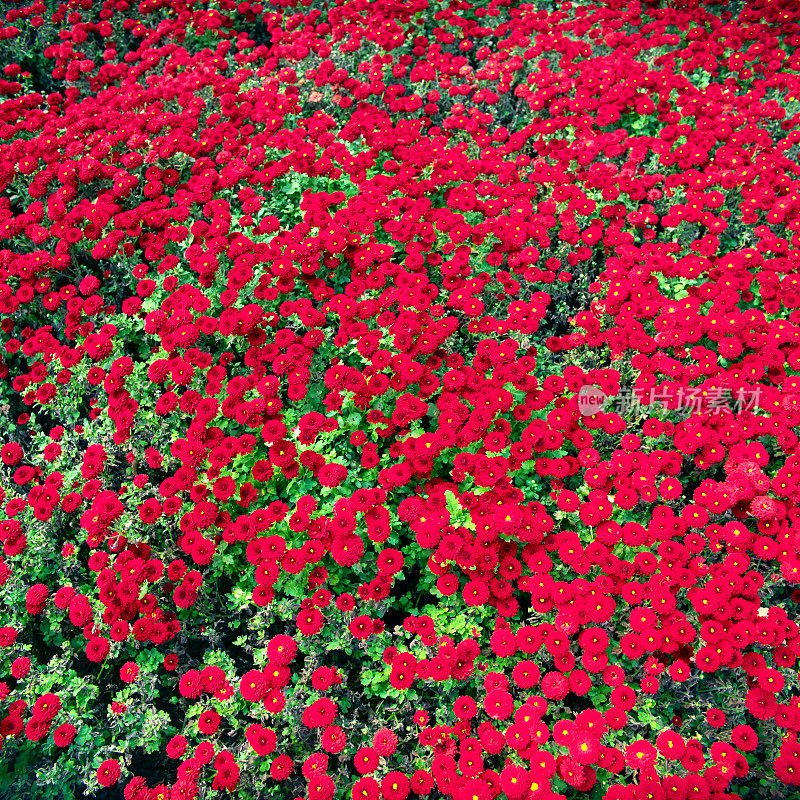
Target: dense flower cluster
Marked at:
391, 359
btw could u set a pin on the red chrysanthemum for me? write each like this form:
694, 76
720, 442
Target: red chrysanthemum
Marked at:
282, 649
385, 742
334, 739
744, 737
366, 760
129, 671
515, 781
191, 684
310, 621
253, 686
208, 722
498, 704
422, 782
584, 747
108, 773
281, 768
47, 706
671, 745
555, 685
97, 648
176, 746
262, 740
366, 788
395, 786
640, 754
332, 475
320, 713
526, 674
64, 734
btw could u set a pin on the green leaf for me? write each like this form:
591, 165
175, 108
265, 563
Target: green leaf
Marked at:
453, 506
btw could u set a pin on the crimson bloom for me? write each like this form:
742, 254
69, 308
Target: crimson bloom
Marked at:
129, 671
281, 767
253, 686
108, 773
208, 721
320, 713
498, 704
395, 786
262, 740
640, 754
64, 734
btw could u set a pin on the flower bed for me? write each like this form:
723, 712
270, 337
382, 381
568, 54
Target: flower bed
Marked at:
399, 398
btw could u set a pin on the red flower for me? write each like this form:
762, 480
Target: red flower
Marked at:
464, 708
623, 697
579, 682
108, 772
515, 781
129, 671
275, 701
322, 678
404, 670
679, 671
282, 649
555, 685
787, 769
761, 703
37, 729
213, 678
176, 746
64, 734
366, 760
320, 713
321, 787
568, 501
475, 593
715, 717
334, 739
385, 742
208, 722
253, 686
47, 706
640, 754
421, 782
263, 595
332, 475
744, 737
526, 674
281, 768
361, 627
35, 599
395, 786
366, 789
310, 621
20, 667
670, 744
227, 775
261, 739
97, 648
150, 511
347, 550
11, 453
191, 684
345, 602
498, 704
